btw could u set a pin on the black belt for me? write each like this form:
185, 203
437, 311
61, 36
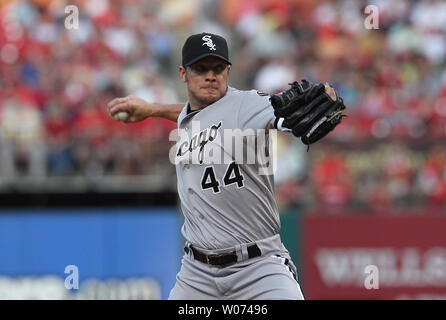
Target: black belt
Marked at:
222, 259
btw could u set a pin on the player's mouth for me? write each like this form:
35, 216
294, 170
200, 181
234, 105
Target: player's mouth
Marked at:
210, 88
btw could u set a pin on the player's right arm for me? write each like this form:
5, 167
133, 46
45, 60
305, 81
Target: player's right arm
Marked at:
140, 109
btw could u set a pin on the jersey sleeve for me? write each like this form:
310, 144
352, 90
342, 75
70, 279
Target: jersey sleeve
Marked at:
256, 112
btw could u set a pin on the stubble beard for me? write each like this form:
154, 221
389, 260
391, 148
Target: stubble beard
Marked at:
203, 102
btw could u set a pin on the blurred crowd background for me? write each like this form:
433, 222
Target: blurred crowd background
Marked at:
55, 84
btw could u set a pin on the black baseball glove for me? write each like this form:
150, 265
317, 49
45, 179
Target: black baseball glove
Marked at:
308, 111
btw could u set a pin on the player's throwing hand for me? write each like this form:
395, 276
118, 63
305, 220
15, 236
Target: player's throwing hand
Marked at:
136, 108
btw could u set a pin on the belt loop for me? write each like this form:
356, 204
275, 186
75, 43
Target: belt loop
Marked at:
244, 251
238, 252
187, 249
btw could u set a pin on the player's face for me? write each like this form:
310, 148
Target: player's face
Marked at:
207, 80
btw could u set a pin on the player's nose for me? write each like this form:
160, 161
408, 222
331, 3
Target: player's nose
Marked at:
211, 75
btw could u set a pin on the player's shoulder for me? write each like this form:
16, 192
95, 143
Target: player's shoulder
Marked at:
252, 95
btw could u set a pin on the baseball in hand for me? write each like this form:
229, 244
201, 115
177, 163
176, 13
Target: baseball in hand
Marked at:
121, 116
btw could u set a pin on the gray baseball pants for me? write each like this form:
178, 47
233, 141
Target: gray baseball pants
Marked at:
270, 276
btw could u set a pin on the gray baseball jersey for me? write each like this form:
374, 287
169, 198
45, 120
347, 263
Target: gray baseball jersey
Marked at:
227, 202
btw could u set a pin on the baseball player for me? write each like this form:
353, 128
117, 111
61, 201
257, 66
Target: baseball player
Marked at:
233, 249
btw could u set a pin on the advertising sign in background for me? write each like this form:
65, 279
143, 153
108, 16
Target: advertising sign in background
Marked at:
119, 253
409, 252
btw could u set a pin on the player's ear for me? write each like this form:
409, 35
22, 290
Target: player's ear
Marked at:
182, 73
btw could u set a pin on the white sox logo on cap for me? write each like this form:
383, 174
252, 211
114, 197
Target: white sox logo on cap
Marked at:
201, 45
208, 41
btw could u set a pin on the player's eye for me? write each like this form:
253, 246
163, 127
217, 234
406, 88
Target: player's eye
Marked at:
219, 68
201, 69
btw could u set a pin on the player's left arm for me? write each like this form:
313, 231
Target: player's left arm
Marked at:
256, 111
309, 110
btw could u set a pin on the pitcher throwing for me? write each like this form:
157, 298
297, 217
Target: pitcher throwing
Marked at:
233, 249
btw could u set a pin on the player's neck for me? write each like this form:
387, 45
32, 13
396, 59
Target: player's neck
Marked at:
194, 105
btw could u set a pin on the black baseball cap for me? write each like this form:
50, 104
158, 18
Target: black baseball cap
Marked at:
199, 46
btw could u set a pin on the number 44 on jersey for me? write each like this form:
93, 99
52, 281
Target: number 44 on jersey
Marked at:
232, 176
